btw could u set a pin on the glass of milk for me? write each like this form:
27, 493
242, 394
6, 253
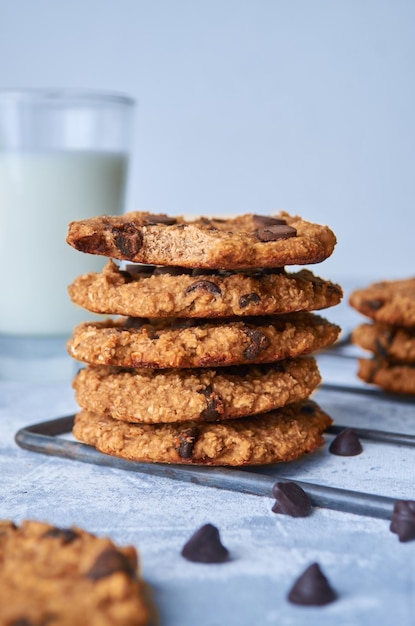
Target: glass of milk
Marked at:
63, 156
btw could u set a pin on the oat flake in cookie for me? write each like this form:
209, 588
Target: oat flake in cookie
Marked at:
281, 435
246, 241
66, 576
151, 291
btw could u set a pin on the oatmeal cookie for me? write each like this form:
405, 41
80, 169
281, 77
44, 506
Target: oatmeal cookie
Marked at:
246, 241
150, 291
388, 342
67, 576
392, 377
387, 302
161, 344
153, 396
281, 435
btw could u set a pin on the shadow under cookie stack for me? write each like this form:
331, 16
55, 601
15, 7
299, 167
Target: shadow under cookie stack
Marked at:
208, 355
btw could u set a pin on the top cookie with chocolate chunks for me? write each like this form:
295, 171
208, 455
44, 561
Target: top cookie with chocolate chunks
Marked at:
67, 576
163, 344
150, 291
388, 302
244, 242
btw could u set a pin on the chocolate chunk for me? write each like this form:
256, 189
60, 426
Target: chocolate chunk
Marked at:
308, 407
187, 440
259, 342
374, 305
214, 408
273, 233
109, 562
291, 499
127, 239
207, 285
205, 546
312, 588
263, 221
346, 444
67, 535
152, 220
249, 298
403, 520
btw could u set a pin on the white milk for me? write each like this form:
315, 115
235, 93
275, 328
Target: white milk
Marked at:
40, 193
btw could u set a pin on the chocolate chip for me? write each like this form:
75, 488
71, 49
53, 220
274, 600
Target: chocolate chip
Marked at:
249, 298
67, 535
207, 285
403, 520
346, 443
374, 305
291, 499
152, 220
273, 233
259, 342
205, 546
214, 408
109, 562
187, 440
127, 239
312, 588
263, 221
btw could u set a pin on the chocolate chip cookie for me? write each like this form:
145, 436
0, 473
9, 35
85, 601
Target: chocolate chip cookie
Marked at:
387, 302
155, 396
392, 377
281, 435
160, 344
247, 241
393, 343
150, 291
66, 576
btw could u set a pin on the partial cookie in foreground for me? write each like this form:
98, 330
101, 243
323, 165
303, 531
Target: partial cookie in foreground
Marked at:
387, 302
392, 377
281, 435
67, 576
162, 344
149, 291
247, 241
388, 342
156, 396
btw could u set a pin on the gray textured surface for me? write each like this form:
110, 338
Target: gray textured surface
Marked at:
372, 572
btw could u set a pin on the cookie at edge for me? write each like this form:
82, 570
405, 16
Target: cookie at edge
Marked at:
67, 576
392, 343
392, 377
387, 302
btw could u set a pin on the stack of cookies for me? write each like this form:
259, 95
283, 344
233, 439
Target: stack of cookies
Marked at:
389, 335
209, 360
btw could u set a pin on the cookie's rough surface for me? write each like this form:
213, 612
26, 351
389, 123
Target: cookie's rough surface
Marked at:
147, 291
388, 342
392, 377
176, 344
387, 302
281, 435
154, 396
67, 576
247, 241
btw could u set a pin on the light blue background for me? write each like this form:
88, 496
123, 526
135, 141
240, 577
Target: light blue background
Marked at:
249, 105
